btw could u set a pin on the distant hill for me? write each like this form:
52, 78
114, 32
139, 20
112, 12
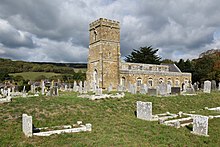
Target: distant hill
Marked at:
72, 65
9, 66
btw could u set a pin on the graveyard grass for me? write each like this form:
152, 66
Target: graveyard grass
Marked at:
113, 121
34, 75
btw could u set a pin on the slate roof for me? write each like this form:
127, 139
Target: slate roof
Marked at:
172, 67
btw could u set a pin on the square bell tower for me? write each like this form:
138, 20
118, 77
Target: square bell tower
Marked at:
104, 53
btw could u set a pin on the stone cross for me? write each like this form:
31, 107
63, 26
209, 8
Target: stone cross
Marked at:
144, 110
27, 126
207, 87
200, 125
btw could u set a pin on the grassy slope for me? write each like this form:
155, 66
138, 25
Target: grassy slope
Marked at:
113, 121
33, 75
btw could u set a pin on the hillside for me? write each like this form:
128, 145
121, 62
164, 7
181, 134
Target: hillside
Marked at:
9, 66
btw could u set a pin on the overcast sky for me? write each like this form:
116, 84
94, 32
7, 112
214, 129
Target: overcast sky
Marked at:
57, 30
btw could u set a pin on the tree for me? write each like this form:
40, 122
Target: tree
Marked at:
145, 55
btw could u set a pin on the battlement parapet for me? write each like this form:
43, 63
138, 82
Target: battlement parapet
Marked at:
106, 22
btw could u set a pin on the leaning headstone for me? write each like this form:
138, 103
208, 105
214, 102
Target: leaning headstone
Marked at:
32, 88
23, 89
213, 85
144, 110
27, 125
200, 125
207, 87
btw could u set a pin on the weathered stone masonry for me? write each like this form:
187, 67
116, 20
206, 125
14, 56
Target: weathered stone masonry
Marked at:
105, 67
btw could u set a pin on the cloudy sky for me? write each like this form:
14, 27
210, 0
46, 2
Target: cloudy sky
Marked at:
57, 30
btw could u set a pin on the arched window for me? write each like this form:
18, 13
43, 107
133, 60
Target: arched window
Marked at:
177, 82
139, 81
161, 80
150, 82
95, 76
169, 81
123, 81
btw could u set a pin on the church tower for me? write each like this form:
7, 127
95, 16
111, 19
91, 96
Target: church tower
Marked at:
104, 53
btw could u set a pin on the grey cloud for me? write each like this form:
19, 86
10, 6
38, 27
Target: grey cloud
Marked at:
180, 29
11, 37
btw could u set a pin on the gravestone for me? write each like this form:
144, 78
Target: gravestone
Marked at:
98, 91
32, 88
110, 88
196, 86
200, 125
80, 89
133, 89
169, 89
56, 91
162, 89
219, 86
27, 126
175, 90
213, 85
144, 110
144, 89
119, 88
74, 86
184, 87
23, 89
94, 87
65, 88
207, 87
152, 92
42, 87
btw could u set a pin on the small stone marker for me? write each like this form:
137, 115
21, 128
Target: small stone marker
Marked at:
200, 125
98, 91
27, 127
152, 92
144, 110
175, 90
133, 89
42, 87
213, 85
207, 87
110, 88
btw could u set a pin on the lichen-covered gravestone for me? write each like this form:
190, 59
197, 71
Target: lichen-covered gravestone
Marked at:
27, 127
207, 87
200, 125
162, 89
144, 110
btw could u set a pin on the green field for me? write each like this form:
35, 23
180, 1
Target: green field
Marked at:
34, 75
113, 121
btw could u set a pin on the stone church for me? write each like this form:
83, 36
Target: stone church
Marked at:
105, 67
